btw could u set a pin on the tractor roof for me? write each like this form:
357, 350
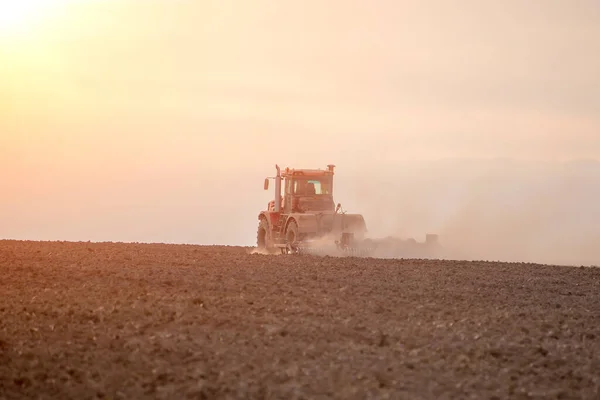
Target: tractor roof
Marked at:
288, 172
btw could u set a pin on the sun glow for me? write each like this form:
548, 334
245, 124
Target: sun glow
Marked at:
18, 17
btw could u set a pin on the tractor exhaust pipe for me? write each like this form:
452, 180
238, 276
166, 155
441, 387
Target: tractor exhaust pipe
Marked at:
278, 189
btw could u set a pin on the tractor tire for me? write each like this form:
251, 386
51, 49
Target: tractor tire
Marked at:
292, 237
264, 241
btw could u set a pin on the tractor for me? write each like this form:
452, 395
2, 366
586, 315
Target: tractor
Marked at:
305, 219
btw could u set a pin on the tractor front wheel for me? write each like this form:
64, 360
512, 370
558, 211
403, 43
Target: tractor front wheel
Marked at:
264, 242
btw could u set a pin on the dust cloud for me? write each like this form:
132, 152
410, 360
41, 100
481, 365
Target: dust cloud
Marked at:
492, 209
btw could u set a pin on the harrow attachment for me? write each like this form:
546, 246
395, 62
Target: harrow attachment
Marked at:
369, 248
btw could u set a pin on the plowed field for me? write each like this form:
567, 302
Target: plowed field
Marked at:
103, 320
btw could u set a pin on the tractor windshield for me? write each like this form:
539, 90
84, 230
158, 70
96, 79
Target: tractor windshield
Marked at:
311, 187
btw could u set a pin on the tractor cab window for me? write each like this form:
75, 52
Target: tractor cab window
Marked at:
310, 187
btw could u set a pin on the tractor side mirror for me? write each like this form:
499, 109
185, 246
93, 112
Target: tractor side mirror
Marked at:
266, 183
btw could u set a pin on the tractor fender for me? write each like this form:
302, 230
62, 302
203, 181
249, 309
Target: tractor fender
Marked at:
307, 223
271, 217
351, 223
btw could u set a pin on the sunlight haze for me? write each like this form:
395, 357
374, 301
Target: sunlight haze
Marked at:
158, 120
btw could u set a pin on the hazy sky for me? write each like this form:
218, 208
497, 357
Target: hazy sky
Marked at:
127, 119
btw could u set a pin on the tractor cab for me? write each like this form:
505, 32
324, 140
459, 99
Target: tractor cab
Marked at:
304, 190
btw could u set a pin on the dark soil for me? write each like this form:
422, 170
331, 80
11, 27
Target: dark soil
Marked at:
104, 320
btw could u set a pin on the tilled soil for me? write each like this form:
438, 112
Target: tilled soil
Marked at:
107, 320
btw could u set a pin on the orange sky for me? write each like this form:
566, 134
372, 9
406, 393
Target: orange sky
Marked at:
116, 102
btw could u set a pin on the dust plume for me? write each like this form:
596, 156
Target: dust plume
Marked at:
256, 250
496, 210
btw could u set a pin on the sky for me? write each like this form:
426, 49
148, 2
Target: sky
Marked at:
158, 120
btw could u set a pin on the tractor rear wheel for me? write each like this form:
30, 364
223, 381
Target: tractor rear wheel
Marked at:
291, 237
264, 242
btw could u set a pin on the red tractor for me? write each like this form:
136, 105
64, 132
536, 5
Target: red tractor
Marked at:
303, 218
